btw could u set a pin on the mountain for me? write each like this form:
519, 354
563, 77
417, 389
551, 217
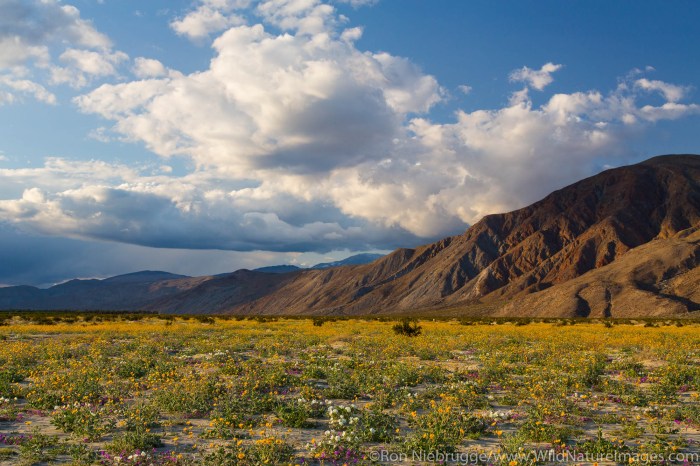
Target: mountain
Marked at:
574, 230
278, 269
352, 260
620, 243
659, 278
123, 292
156, 290
221, 293
145, 276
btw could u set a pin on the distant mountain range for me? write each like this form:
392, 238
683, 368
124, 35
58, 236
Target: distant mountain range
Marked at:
357, 259
147, 289
623, 243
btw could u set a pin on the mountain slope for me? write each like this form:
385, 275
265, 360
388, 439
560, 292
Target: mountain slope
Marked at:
659, 278
357, 259
573, 230
144, 276
123, 292
221, 293
278, 269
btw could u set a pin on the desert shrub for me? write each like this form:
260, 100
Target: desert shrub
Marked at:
57, 389
38, 448
294, 414
408, 328
141, 417
601, 445
267, 450
83, 420
377, 426
538, 431
441, 429
136, 366
342, 385
8, 378
191, 396
318, 321
127, 442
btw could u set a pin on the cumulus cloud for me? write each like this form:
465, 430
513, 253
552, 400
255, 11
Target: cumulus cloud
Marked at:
32, 31
301, 141
301, 104
95, 200
670, 92
15, 51
358, 3
38, 22
536, 79
84, 65
464, 89
209, 17
14, 89
148, 68
300, 16
414, 176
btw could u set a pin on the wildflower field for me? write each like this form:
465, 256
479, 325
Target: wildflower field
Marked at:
149, 390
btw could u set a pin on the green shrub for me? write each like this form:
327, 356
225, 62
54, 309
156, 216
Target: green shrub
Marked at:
127, 442
83, 420
294, 414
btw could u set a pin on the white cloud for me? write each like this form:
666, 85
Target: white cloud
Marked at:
537, 79
315, 121
202, 22
148, 68
670, 92
668, 111
100, 201
358, 3
351, 34
519, 97
299, 16
100, 134
301, 104
14, 51
79, 30
84, 65
209, 17
20, 87
38, 23
28, 28
464, 89
33, 31
93, 63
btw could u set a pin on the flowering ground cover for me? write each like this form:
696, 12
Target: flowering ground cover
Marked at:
149, 390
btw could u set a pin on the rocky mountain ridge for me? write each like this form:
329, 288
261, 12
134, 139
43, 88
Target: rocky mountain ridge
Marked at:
550, 258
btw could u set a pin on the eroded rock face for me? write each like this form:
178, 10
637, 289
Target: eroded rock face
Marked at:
659, 278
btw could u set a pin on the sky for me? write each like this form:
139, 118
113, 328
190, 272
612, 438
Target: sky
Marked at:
205, 136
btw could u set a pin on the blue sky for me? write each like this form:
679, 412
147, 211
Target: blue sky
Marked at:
202, 136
